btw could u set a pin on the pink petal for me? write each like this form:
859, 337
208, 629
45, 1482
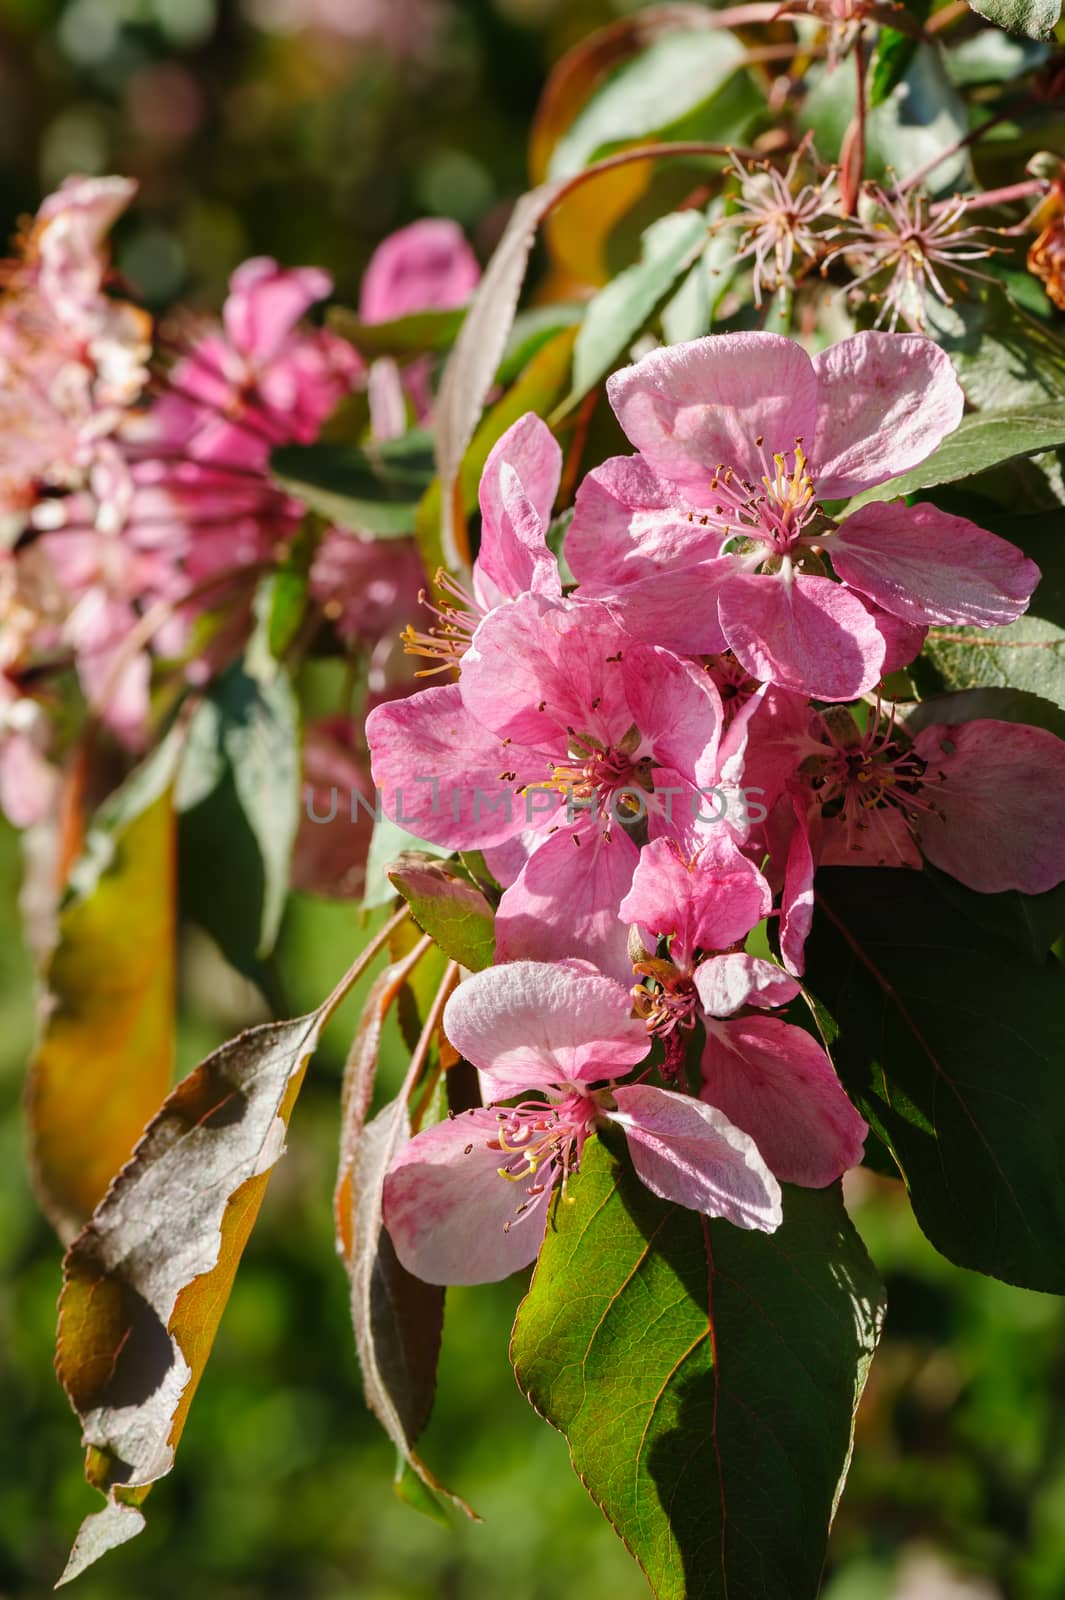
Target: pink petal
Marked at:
518, 489
266, 301
690, 408
676, 707
809, 635
797, 898
1000, 789
535, 1024
452, 1217
675, 609
886, 401
903, 641
878, 838
28, 783
628, 524
927, 566
463, 801
565, 901
705, 903
690, 1153
427, 266
540, 667
775, 1082
725, 984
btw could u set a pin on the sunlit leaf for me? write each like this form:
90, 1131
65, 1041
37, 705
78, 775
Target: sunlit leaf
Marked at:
1035, 18
705, 1377
105, 1054
449, 908
374, 488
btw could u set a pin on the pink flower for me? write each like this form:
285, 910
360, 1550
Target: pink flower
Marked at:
742, 437
72, 358
768, 1076
516, 493
467, 1200
426, 266
561, 725
983, 800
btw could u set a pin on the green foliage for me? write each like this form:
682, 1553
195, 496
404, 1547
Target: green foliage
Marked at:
954, 1062
374, 489
692, 1366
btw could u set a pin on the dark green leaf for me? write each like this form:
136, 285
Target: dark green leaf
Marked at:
951, 1044
705, 1377
374, 489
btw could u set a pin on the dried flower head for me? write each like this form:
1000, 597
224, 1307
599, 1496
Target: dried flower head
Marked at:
903, 250
780, 219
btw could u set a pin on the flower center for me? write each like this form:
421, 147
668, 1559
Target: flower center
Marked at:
867, 772
769, 521
542, 1142
613, 774
668, 1004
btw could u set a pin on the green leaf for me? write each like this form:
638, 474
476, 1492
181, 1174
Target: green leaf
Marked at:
618, 313
705, 1377
951, 1044
664, 83
449, 908
982, 440
1003, 356
1035, 18
413, 335
375, 489
1029, 654
892, 56
242, 772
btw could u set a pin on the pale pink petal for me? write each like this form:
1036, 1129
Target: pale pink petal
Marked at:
518, 489
998, 789
927, 566
676, 707
690, 408
692, 1154
536, 1024
451, 1215
540, 667
388, 403
797, 899
675, 609
266, 301
440, 771
725, 984
628, 524
705, 903
774, 1081
809, 634
885, 402
565, 901
427, 266
28, 783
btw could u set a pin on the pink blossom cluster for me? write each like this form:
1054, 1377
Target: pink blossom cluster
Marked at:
729, 635
135, 489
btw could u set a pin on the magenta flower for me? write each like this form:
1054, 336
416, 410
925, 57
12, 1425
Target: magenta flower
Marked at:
768, 1076
742, 439
563, 727
467, 1200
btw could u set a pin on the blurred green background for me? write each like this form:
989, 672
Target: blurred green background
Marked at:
309, 129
